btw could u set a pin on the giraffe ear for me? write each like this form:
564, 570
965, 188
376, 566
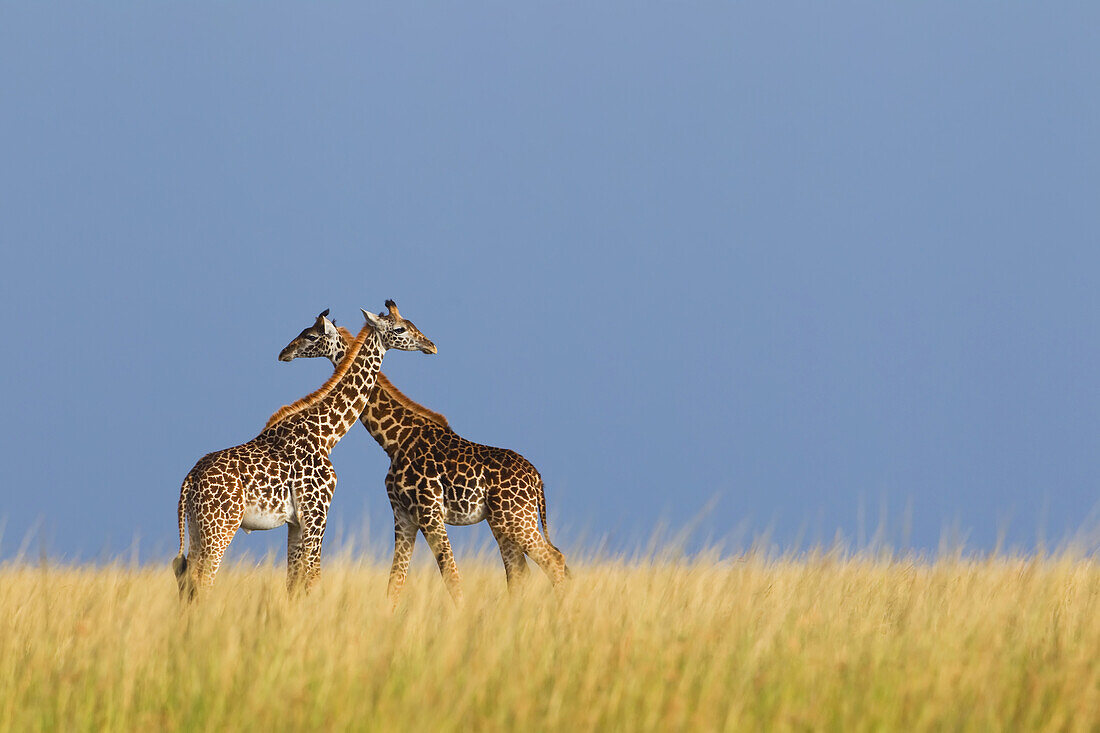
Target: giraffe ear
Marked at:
330, 327
372, 319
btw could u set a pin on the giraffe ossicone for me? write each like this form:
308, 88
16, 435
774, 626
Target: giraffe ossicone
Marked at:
283, 475
436, 477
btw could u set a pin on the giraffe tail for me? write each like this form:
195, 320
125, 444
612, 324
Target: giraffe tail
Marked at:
546, 528
179, 564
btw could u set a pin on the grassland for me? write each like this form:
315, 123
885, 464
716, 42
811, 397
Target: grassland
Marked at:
822, 642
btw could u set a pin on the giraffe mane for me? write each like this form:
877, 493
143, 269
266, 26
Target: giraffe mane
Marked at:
408, 403
383, 383
311, 399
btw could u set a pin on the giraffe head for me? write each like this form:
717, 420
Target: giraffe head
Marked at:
397, 333
320, 339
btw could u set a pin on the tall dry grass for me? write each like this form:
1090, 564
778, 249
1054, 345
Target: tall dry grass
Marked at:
824, 642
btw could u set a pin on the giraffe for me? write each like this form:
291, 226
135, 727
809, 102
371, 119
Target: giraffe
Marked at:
436, 478
283, 475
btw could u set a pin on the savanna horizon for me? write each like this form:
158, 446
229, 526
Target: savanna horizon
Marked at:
824, 639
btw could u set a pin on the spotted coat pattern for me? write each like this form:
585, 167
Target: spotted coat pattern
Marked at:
437, 477
283, 475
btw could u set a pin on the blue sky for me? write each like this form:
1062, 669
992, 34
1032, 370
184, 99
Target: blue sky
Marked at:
752, 267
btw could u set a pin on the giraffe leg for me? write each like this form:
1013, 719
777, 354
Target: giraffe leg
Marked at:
435, 532
212, 530
312, 565
515, 566
293, 557
308, 556
304, 568
404, 538
548, 557
210, 559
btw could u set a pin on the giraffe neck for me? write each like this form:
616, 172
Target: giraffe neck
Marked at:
324, 423
388, 421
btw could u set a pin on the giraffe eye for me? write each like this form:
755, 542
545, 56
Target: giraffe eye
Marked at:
399, 330
311, 336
